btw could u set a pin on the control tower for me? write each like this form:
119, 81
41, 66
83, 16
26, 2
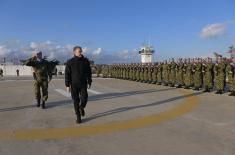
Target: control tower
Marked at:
146, 53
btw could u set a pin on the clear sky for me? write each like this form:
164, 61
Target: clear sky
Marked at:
174, 27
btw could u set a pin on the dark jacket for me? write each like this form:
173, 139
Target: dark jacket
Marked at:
78, 72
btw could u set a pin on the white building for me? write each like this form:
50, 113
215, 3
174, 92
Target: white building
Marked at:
10, 70
146, 53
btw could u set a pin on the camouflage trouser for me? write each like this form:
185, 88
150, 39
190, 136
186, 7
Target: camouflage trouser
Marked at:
219, 82
208, 81
180, 78
188, 80
232, 84
197, 80
172, 78
38, 85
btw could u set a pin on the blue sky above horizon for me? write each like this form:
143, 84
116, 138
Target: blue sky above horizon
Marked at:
105, 28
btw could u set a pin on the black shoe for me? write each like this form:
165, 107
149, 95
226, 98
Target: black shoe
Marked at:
79, 120
232, 93
38, 103
197, 89
219, 92
43, 105
82, 112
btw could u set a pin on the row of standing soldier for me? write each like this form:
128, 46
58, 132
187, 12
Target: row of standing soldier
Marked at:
187, 73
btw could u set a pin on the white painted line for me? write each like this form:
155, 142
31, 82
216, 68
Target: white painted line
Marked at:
93, 91
67, 94
63, 92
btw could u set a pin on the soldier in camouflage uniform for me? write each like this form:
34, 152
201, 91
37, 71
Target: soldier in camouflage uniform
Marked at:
165, 73
154, 73
142, 73
159, 73
180, 73
105, 71
127, 72
208, 75
42, 76
172, 75
197, 74
134, 72
219, 70
188, 79
145, 73
137, 73
230, 71
150, 70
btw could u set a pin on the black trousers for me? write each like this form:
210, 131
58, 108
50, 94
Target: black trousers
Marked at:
79, 96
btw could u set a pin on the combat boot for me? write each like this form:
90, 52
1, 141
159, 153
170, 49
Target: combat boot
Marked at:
82, 112
179, 86
43, 105
206, 90
79, 120
219, 92
232, 93
172, 85
196, 88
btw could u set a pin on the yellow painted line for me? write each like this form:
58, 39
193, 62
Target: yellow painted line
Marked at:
188, 105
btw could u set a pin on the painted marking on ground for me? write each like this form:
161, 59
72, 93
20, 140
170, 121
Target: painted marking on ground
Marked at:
67, 94
62, 92
188, 105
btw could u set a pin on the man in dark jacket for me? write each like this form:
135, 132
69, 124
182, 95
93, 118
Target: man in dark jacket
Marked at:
77, 80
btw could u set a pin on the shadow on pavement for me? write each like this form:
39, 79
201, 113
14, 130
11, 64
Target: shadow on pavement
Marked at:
91, 98
17, 108
123, 94
128, 108
106, 96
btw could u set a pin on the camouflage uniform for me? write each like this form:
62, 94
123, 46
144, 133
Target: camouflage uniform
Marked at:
42, 71
141, 73
145, 74
197, 76
188, 79
150, 70
137, 73
105, 71
219, 70
208, 76
165, 73
180, 74
159, 74
154, 74
134, 73
123, 72
230, 71
172, 76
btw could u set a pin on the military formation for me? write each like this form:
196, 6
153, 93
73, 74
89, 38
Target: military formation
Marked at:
197, 74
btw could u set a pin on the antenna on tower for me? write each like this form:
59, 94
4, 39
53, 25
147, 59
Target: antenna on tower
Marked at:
149, 40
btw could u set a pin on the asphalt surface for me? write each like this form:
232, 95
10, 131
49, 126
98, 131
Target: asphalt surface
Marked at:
122, 117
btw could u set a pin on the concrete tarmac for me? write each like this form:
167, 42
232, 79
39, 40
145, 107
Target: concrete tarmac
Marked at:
122, 117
